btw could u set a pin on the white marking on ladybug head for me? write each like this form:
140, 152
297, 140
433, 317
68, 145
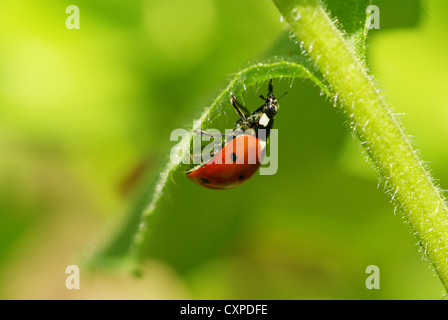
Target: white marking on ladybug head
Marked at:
264, 120
262, 144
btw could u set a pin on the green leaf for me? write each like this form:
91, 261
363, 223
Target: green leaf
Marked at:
134, 239
149, 228
351, 20
410, 185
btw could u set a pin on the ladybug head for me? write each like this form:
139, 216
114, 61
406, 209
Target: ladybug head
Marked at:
270, 107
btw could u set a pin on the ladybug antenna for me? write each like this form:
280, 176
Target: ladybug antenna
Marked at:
239, 108
282, 95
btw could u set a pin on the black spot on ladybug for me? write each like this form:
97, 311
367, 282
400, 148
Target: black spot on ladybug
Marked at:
241, 177
233, 156
205, 180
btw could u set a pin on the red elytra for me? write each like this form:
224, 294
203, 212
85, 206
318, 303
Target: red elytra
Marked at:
235, 163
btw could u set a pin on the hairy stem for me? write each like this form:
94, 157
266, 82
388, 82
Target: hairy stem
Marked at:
410, 185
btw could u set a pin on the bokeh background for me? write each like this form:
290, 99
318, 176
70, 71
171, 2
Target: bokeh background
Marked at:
84, 112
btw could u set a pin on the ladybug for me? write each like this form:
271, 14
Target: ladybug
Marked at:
241, 157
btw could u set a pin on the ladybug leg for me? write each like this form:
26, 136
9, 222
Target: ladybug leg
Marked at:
195, 157
239, 108
221, 135
270, 90
270, 87
210, 134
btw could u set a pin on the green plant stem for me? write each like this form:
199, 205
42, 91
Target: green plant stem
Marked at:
409, 184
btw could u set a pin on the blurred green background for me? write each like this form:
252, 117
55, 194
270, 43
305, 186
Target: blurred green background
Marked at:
82, 112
